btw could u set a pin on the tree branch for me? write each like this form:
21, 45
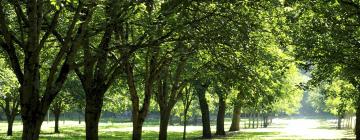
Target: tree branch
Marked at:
14, 60
19, 11
51, 27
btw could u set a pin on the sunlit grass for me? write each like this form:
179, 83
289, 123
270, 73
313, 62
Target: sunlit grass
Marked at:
280, 129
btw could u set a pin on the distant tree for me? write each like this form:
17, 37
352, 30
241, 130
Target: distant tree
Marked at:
9, 96
74, 95
187, 98
59, 105
336, 97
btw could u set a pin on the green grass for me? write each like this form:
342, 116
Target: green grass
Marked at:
113, 131
109, 131
71, 130
78, 134
250, 135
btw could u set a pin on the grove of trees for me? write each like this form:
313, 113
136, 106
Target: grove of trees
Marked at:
176, 58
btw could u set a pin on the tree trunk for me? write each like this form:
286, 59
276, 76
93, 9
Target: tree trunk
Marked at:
266, 120
164, 121
253, 120
185, 122
261, 116
339, 122
257, 120
204, 107
31, 127
10, 125
357, 121
137, 128
205, 115
57, 116
79, 118
94, 102
249, 119
220, 130
31, 114
235, 122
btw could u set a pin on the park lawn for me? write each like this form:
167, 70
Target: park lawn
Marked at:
78, 133
281, 129
71, 130
75, 134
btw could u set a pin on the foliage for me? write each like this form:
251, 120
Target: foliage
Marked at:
9, 92
335, 97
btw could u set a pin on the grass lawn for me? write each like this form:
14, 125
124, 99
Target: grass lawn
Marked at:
281, 129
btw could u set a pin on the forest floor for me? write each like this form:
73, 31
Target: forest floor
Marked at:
280, 129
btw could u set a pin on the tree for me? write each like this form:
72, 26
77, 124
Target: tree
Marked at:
59, 105
179, 25
235, 121
137, 26
31, 34
9, 95
220, 120
170, 85
336, 98
75, 96
200, 90
326, 33
187, 98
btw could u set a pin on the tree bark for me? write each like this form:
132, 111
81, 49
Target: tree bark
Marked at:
137, 127
205, 115
31, 127
357, 122
32, 115
220, 130
10, 126
339, 122
164, 121
204, 107
57, 116
185, 122
235, 122
94, 102
139, 113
